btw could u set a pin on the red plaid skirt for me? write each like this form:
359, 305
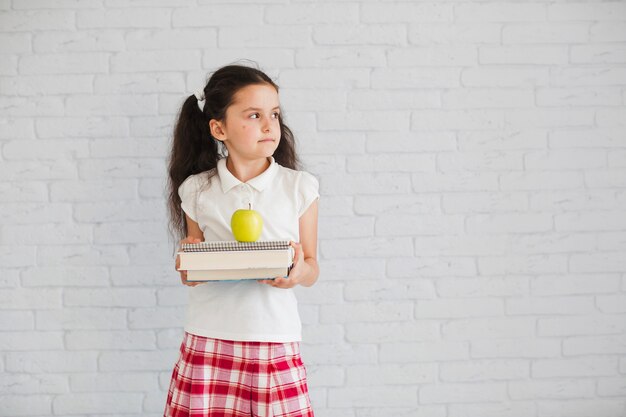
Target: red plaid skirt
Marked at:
222, 378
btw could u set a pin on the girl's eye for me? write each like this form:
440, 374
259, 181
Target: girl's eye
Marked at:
276, 113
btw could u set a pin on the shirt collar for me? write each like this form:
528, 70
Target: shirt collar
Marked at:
259, 183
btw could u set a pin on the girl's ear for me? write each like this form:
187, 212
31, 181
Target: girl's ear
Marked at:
216, 130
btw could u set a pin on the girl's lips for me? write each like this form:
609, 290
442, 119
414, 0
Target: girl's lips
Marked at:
267, 140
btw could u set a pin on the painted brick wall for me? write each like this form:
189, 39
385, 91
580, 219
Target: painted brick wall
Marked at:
472, 162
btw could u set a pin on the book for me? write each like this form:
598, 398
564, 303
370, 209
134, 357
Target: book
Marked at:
230, 260
228, 245
236, 274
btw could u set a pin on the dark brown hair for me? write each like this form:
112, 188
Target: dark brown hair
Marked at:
195, 151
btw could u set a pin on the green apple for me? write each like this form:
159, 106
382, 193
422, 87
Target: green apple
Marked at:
246, 224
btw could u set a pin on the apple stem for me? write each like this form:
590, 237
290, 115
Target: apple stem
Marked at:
249, 206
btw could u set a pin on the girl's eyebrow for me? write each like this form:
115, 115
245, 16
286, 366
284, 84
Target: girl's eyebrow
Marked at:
256, 108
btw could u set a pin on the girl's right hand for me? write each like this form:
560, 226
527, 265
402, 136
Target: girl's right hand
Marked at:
183, 274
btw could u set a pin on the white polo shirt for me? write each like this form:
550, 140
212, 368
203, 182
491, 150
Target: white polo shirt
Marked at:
246, 310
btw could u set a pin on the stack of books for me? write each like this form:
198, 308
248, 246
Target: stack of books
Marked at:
228, 261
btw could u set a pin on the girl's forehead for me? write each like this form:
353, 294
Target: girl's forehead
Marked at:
256, 95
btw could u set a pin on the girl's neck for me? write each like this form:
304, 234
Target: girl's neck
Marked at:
245, 170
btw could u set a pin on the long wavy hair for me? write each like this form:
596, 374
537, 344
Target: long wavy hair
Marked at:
194, 150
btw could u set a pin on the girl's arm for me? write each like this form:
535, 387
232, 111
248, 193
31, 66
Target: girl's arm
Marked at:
193, 230
308, 241
305, 269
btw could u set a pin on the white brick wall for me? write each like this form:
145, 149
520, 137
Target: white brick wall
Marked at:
472, 162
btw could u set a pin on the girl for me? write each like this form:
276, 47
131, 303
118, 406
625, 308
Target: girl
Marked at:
240, 353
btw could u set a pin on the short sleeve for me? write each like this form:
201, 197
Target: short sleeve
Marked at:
188, 193
308, 191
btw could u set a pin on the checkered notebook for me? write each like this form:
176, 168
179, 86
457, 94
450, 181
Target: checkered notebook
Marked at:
227, 246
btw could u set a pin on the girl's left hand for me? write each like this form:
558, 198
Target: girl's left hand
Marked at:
296, 271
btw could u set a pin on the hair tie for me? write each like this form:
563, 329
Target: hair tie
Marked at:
200, 97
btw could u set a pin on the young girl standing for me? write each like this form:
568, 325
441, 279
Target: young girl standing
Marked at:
240, 353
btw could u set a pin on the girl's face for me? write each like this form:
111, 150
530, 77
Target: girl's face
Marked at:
251, 130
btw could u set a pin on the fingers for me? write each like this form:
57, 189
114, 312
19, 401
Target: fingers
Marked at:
188, 283
278, 282
183, 276
298, 254
188, 239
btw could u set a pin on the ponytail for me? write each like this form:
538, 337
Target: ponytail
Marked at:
193, 151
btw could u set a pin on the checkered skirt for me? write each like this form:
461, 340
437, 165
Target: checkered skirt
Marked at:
222, 378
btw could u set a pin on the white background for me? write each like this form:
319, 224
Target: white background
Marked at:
472, 166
